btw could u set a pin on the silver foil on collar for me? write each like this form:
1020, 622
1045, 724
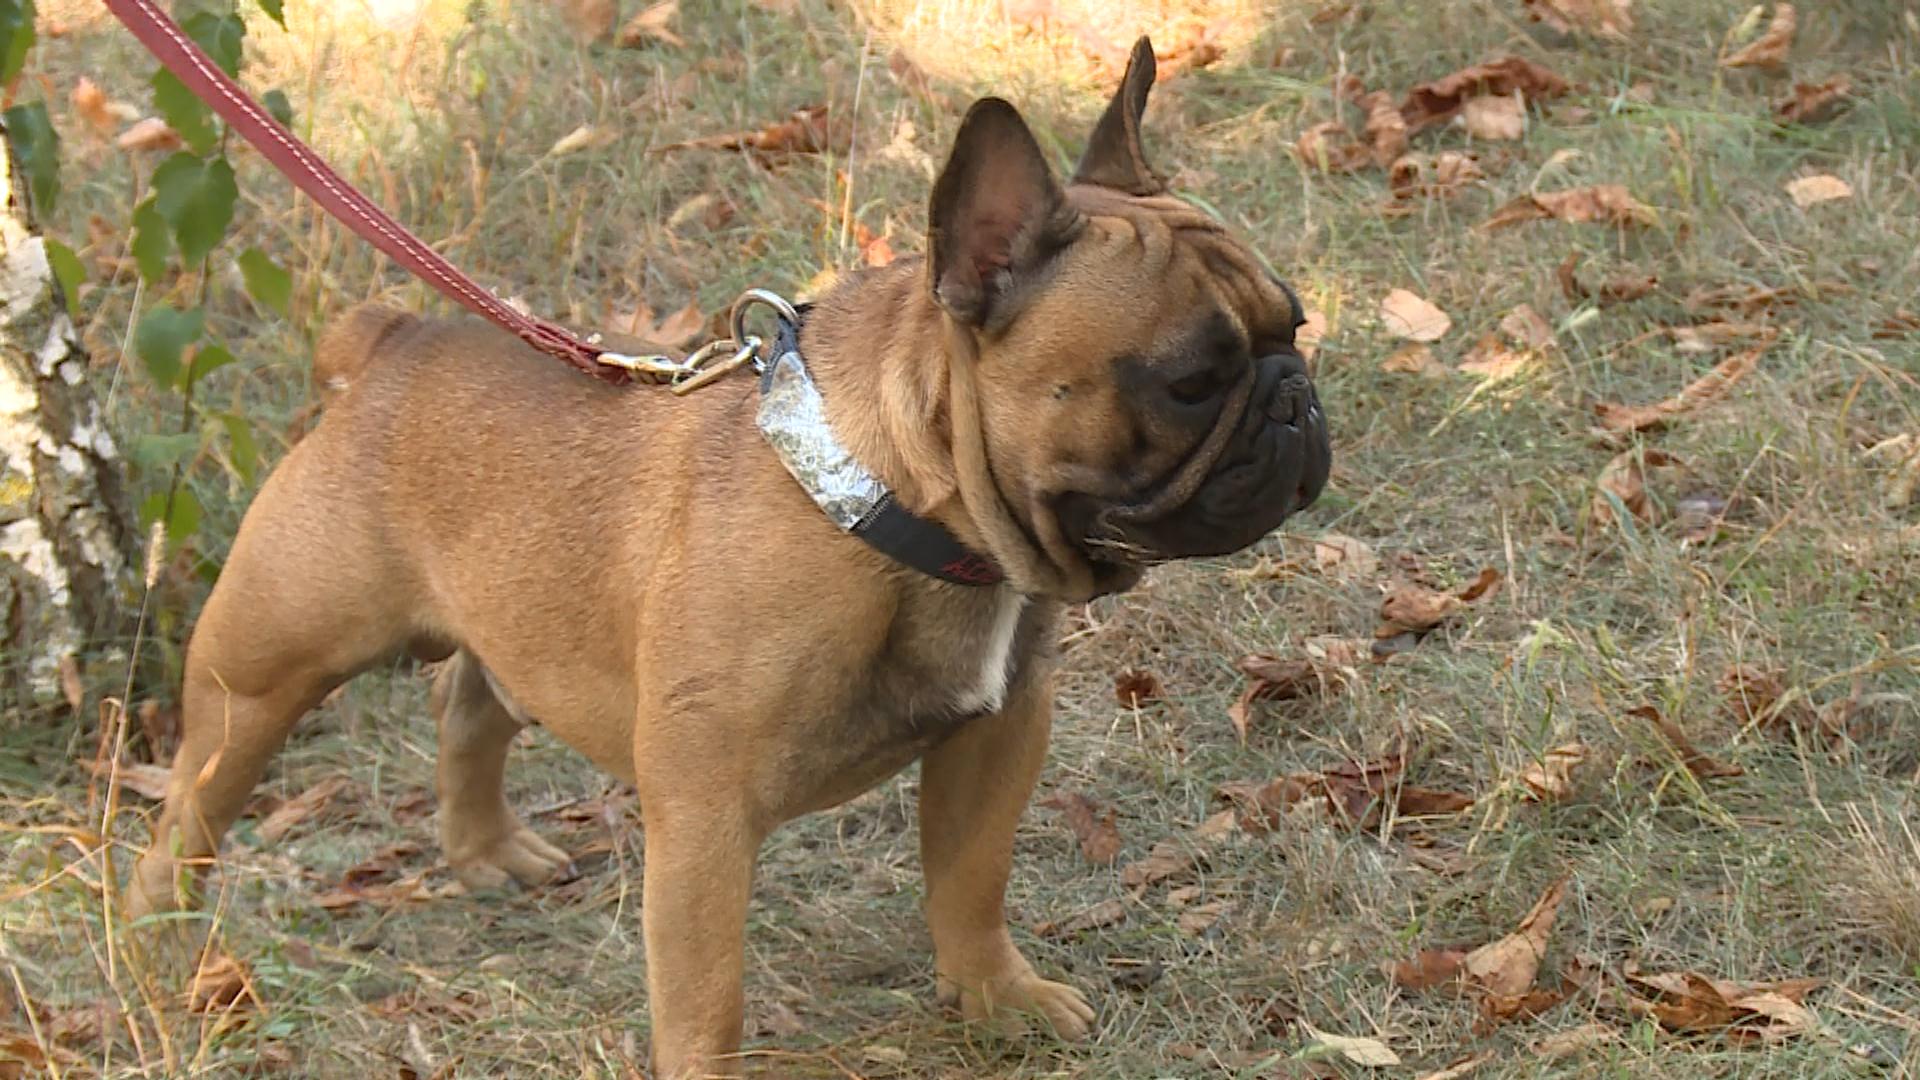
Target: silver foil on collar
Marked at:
793, 419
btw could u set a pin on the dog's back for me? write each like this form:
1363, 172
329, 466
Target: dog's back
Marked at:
348, 344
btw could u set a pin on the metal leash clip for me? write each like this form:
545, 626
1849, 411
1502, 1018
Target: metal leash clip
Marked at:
712, 360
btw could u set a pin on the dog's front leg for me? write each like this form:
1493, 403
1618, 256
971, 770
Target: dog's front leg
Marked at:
700, 850
973, 788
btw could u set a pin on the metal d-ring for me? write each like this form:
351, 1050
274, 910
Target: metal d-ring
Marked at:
737, 319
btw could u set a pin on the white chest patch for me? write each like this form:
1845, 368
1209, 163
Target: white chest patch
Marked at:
989, 689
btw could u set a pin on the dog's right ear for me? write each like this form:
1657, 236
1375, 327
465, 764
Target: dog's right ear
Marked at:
997, 216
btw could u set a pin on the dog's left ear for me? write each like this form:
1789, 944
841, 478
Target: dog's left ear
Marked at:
1114, 157
997, 215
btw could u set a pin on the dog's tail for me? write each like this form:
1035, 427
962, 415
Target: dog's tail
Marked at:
348, 344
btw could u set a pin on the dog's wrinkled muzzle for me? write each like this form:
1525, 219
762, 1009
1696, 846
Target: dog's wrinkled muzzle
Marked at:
1274, 465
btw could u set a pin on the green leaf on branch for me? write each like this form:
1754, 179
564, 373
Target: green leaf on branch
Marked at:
206, 361
197, 198
186, 114
266, 281
151, 243
220, 35
16, 36
278, 107
156, 453
163, 334
276, 10
241, 447
37, 148
68, 272
183, 517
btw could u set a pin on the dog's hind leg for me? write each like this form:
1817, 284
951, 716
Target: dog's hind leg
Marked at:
307, 599
484, 842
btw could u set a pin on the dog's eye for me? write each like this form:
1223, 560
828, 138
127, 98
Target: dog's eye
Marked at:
1196, 389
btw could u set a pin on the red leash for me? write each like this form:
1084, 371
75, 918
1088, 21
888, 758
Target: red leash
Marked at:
297, 161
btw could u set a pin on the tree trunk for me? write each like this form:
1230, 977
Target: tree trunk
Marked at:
67, 543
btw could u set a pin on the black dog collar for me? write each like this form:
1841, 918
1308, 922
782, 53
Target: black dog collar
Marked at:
793, 420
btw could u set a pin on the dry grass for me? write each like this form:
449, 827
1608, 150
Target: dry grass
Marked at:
1803, 865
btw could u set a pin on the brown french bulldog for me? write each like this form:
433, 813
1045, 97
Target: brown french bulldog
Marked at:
1075, 382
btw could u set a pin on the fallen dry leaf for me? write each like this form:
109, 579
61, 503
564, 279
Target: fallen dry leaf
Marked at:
710, 210
1506, 968
877, 252
584, 137
144, 780
1759, 698
1496, 117
1609, 204
651, 24
1770, 48
1604, 18
1385, 131
1257, 807
1813, 190
1201, 918
805, 131
1709, 336
221, 984
1371, 1053
1441, 175
100, 113
1703, 391
1814, 103
1092, 824
1165, 860
1106, 913
1574, 1040
1690, 1002
1406, 315
675, 330
1460, 1068
1745, 298
1414, 801
1528, 327
1135, 688
912, 77
1625, 478
1903, 477
1627, 287
299, 808
1417, 609
151, 133
1414, 358
1551, 778
1329, 147
1343, 558
1492, 360
1438, 101
590, 20
1275, 679
1308, 335
1697, 763
1430, 968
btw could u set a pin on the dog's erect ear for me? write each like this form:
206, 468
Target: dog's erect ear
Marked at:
996, 215
1114, 157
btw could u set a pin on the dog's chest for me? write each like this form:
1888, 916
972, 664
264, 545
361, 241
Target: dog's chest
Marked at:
942, 664
986, 669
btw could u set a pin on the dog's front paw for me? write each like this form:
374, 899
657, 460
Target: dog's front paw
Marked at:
1012, 1004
